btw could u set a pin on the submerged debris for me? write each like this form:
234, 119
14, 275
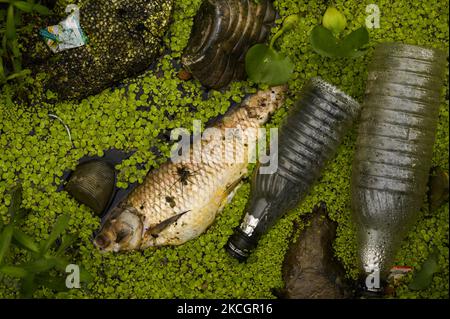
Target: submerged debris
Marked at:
124, 39
222, 33
92, 183
310, 270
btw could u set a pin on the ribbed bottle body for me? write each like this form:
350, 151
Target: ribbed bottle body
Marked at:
309, 137
394, 148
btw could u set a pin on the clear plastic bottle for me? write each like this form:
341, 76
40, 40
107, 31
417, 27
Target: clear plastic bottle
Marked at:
394, 150
308, 138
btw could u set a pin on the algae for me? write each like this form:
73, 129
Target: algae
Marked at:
137, 116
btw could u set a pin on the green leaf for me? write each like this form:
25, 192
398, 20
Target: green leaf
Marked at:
5, 241
23, 6
41, 9
10, 24
25, 241
61, 224
424, 277
20, 74
354, 41
325, 43
17, 272
16, 200
28, 286
334, 20
290, 22
40, 265
265, 65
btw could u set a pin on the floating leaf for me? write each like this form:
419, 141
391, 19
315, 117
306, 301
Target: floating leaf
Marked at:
264, 65
290, 22
354, 41
334, 21
325, 43
423, 278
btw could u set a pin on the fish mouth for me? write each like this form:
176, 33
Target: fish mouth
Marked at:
104, 242
121, 231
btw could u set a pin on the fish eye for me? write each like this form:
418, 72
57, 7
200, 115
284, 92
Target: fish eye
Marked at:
122, 234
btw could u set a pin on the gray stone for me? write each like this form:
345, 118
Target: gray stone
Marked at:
125, 37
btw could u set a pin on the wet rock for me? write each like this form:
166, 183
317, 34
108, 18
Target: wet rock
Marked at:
124, 39
310, 270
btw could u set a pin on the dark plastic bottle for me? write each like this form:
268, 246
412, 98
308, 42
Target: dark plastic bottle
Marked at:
394, 150
308, 138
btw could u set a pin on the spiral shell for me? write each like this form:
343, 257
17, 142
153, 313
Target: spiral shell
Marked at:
92, 184
223, 31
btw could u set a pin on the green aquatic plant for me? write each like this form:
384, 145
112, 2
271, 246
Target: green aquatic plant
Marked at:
10, 21
264, 64
325, 41
115, 118
423, 278
334, 20
36, 272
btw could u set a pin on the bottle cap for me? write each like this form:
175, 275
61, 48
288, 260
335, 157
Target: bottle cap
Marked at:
240, 245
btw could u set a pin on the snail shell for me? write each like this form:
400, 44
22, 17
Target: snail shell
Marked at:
223, 32
92, 184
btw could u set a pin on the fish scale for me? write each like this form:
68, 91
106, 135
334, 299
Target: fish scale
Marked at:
207, 184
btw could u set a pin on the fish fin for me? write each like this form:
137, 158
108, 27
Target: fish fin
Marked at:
230, 191
157, 229
233, 186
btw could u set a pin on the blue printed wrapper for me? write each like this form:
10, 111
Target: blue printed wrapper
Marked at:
67, 34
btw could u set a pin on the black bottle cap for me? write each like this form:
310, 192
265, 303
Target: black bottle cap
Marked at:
240, 245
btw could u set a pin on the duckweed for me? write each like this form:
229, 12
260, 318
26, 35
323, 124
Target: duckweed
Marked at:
138, 115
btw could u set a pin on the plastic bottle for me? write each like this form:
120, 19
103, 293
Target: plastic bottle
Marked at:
308, 138
394, 150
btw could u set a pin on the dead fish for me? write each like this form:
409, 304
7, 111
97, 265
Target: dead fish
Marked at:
179, 201
310, 270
